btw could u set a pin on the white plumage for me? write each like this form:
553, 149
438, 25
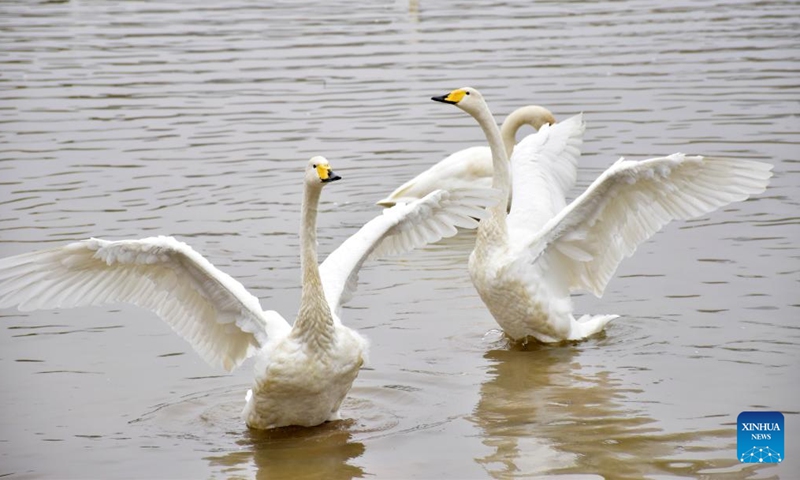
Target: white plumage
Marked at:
400, 229
528, 261
470, 167
303, 371
212, 311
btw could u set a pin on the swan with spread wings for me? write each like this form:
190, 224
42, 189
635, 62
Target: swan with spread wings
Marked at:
303, 371
528, 261
472, 166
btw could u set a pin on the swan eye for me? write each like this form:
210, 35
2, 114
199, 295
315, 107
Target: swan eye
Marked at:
314, 166
467, 93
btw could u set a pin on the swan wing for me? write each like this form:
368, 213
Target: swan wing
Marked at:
630, 202
213, 312
400, 229
544, 167
467, 168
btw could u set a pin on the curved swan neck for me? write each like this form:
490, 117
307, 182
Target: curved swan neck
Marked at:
501, 177
532, 115
508, 132
314, 320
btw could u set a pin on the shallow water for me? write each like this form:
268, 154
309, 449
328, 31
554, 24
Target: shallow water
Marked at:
127, 119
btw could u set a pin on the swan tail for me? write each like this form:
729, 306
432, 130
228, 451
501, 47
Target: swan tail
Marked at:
249, 406
335, 416
588, 325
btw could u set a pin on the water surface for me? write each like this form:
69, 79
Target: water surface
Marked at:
128, 119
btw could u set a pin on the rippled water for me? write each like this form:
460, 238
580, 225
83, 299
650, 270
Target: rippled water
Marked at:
126, 119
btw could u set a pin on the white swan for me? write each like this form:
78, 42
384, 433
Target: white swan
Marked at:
527, 262
304, 371
470, 167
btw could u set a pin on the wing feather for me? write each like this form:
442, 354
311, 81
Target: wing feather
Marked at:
544, 168
630, 202
400, 229
213, 312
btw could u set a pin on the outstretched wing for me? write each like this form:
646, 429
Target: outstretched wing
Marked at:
213, 312
467, 168
630, 202
543, 169
398, 230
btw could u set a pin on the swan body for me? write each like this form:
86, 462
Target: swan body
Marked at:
470, 167
303, 371
527, 262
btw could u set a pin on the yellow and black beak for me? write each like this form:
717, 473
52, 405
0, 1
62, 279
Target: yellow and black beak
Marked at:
452, 98
326, 174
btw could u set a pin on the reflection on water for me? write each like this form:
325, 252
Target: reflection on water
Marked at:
210, 420
542, 411
126, 119
295, 453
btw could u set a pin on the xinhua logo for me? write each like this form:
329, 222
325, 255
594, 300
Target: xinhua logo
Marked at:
760, 437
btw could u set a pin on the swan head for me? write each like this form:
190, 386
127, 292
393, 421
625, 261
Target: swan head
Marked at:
319, 172
467, 99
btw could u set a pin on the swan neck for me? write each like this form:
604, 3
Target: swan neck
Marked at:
532, 115
314, 320
508, 133
501, 177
